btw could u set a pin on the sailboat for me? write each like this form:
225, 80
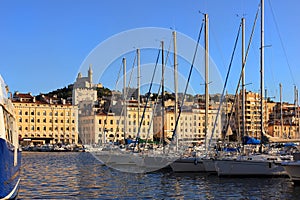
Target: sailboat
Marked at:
293, 168
10, 155
253, 164
194, 163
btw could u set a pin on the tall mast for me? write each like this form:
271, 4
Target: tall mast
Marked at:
262, 35
138, 85
124, 97
243, 77
162, 93
175, 84
281, 117
295, 104
206, 79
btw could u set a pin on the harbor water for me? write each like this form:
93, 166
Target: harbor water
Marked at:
78, 175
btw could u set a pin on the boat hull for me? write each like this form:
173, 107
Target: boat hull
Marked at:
209, 165
188, 165
293, 170
248, 168
9, 173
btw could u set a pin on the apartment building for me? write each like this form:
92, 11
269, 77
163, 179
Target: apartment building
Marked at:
45, 120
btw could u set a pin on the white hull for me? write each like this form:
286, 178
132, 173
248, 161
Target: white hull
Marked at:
189, 164
232, 167
154, 162
293, 170
209, 165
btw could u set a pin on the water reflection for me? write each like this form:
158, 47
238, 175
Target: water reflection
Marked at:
80, 176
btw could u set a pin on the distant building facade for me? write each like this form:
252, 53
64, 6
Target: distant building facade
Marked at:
47, 120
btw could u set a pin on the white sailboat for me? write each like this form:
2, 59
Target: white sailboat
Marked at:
293, 168
253, 165
190, 163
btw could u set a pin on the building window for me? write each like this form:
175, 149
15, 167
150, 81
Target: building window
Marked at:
38, 128
20, 119
32, 120
111, 121
32, 128
44, 113
26, 113
20, 112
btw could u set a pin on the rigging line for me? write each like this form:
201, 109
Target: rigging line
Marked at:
153, 113
147, 99
117, 80
168, 53
131, 74
225, 84
243, 66
155, 103
186, 86
281, 42
167, 58
127, 91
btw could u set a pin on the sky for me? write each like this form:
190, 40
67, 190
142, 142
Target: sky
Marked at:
44, 44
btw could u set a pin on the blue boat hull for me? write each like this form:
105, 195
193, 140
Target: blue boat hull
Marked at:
9, 174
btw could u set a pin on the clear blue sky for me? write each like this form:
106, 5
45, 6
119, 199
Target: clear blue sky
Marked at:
43, 43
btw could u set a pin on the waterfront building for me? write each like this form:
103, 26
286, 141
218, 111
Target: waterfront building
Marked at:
45, 120
191, 125
284, 121
252, 114
105, 127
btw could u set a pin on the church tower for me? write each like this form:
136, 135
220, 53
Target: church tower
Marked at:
90, 74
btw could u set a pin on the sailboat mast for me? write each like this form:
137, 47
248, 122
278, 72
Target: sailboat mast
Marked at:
206, 79
281, 117
243, 78
162, 93
124, 97
175, 84
262, 35
138, 85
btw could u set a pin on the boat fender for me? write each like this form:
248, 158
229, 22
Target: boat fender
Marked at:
195, 161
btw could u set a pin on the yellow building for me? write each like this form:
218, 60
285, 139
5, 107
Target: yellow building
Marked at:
47, 120
252, 114
103, 128
191, 125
